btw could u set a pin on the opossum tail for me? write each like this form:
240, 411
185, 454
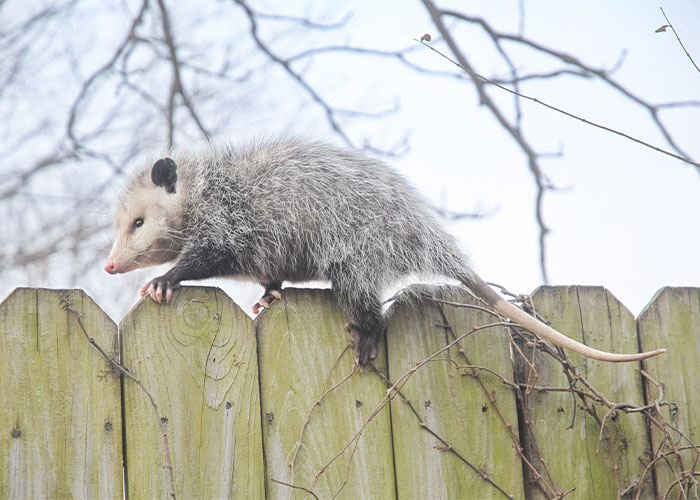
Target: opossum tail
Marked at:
485, 292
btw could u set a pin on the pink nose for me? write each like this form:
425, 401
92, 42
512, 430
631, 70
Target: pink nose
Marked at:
112, 267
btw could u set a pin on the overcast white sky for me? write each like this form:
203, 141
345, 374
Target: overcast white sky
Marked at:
626, 216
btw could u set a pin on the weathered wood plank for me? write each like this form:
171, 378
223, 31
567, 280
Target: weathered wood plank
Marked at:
452, 404
672, 320
300, 339
197, 357
60, 409
567, 437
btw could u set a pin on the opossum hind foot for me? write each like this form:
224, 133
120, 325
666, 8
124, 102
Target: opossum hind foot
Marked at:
271, 293
366, 345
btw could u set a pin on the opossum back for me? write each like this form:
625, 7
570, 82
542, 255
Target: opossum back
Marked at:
339, 204
301, 209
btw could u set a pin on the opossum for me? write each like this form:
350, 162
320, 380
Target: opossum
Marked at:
297, 210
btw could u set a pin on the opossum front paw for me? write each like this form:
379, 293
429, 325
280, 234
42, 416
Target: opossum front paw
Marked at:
264, 302
366, 345
159, 287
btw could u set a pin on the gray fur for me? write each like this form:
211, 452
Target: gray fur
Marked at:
298, 210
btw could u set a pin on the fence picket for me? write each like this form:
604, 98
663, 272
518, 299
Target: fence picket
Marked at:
672, 320
60, 404
197, 357
567, 436
452, 404
300, 339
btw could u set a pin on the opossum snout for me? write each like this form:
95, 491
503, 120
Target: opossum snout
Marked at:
112, 266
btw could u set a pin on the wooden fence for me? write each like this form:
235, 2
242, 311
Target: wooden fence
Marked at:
272, 408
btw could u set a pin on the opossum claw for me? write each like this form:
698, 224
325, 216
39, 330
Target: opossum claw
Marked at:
271, 293
151, 290
265, 304
159, 288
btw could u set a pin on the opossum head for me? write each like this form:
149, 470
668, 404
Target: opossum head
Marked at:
148, 220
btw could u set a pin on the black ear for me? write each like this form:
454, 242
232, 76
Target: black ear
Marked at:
163, 174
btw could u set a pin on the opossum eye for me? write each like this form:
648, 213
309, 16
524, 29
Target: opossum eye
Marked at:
138, 223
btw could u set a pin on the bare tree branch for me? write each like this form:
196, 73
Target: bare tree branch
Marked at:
109, 65
286, 65
541, 185
307, 23
400, 55
177, 86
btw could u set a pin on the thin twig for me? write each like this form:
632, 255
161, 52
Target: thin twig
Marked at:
679, 40
294, 486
